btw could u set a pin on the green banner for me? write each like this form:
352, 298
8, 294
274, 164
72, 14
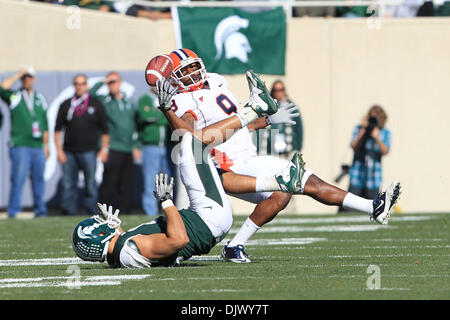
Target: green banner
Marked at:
231, 41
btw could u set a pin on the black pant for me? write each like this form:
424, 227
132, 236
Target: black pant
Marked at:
116, 187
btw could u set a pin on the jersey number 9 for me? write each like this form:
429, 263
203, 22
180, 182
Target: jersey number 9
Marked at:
226, 104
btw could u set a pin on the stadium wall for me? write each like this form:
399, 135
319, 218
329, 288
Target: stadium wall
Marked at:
336, 69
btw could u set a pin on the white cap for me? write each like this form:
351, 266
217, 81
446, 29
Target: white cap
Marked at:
30, 70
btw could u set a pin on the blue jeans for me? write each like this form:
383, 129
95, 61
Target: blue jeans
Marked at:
86, 162
26, 160
154, 162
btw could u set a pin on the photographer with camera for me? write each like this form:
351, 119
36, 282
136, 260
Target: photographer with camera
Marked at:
371, 141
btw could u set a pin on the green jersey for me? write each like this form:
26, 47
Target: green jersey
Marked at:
28, 117
122, 123
152, 124
89, 4
201, 239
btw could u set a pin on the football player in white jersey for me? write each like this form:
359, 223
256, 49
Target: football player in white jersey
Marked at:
203, 100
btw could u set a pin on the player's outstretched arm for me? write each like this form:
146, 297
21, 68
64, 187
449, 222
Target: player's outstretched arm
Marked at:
161, 245
214, 134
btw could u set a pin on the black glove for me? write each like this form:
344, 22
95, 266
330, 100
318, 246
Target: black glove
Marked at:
164, 187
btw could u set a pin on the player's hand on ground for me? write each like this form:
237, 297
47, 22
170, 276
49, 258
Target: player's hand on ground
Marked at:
165, 91
106, 212
164, 187
285, 114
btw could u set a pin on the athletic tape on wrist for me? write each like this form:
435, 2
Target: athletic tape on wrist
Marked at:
166, 203
242, 119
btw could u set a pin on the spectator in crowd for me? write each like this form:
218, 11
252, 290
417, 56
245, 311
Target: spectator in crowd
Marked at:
154, 133
353, 12
443, 10
255, 9
29, 140
281, 139
85, 122
116, 188
91, 4
426, 9
408, 9
153, 13
371, 141
326, 12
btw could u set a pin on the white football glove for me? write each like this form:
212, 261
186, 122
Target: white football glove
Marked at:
165, 91
286, 114
106, 213
164, 187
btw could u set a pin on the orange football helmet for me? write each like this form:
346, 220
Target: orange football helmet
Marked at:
189, 72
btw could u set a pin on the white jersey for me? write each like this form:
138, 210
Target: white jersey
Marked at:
212, 105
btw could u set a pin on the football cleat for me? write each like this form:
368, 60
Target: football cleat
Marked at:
291, 179
260, 100
384, 202
235, 254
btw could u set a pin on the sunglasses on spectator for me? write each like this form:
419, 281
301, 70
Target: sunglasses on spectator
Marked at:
111, 82
79, 83
278, 89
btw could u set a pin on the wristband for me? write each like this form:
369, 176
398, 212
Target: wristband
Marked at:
166, 203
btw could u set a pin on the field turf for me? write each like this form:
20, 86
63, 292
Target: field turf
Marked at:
293, 258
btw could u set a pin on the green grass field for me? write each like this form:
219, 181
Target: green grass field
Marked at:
293, 257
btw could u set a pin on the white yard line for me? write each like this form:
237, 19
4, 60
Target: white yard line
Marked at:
58, 284
389, 255
405, 247
277, 242
390, 240
68, 281
345, 219
42, 262
348, 228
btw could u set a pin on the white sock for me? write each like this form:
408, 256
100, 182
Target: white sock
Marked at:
247, 230
267, 184
354, 202
247, 115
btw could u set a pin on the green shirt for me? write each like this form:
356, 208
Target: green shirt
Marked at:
152, 124
28, 122
201, 239
122, 124
360, 11
89, 4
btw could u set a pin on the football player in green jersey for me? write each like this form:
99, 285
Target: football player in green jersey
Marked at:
179, 234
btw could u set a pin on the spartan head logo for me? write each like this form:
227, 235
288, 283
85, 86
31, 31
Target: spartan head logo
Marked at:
227, 37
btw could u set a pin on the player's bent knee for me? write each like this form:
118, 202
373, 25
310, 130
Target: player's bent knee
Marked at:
281, 199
